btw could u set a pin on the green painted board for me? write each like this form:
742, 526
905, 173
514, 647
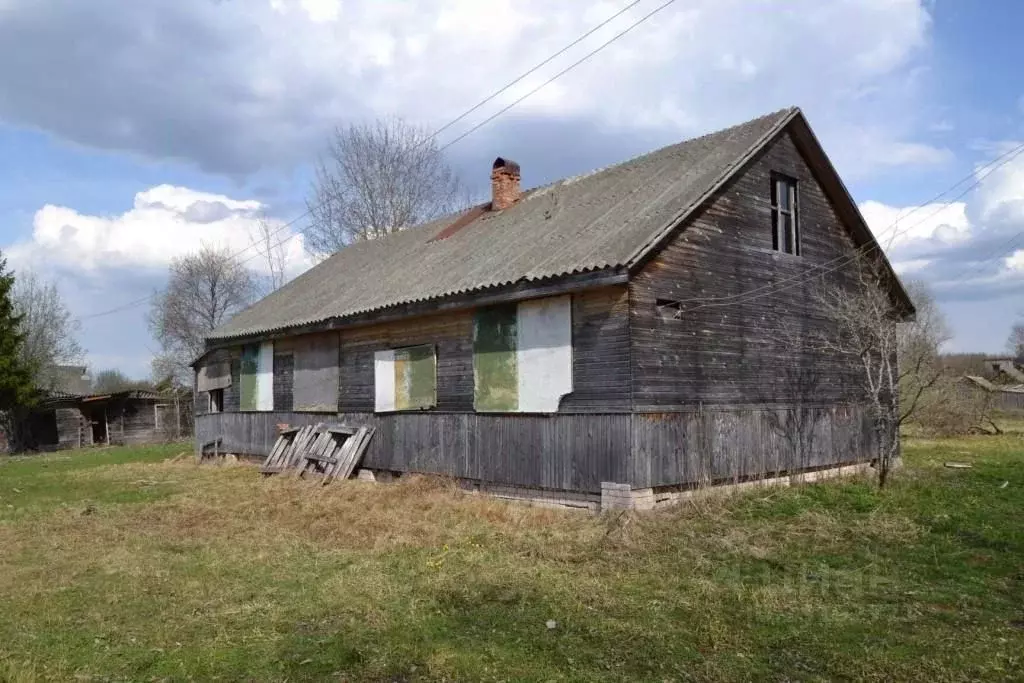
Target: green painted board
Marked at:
495, 367
415, 378
247, 379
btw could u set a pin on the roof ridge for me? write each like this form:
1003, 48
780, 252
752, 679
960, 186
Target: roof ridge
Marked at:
659, 150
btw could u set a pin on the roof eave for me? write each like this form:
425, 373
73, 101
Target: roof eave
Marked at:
487, 296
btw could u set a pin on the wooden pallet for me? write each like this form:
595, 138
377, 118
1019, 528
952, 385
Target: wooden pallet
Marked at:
349, 455
331, 451
288, 449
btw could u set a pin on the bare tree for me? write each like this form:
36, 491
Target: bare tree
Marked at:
375, 179
1015, 343
899, 359
204, 290
48, 327
272, 247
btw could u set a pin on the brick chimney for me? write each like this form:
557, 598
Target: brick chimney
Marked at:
504, 184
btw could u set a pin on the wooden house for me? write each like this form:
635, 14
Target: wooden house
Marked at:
593, 337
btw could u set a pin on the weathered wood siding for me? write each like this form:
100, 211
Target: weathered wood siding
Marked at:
450, 333
600, 323
284, 374
133, 422
73, 428
576, 452
231, 358
563, 452
719, 446
600, 352
739, 354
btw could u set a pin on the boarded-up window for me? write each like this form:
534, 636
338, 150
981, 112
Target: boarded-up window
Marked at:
213, 374
315, 383
522, 356
257, 377
405, 379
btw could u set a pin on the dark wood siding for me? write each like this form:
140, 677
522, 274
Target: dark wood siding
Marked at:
600, 355
232, 395
133, 421
576, 452
739, 354
559, 452
723, 446
73, 428
451, 334
600, 352
284, 364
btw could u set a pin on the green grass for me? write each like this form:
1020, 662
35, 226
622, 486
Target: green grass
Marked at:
127, 564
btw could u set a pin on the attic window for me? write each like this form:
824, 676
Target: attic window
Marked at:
669, 308
785, 221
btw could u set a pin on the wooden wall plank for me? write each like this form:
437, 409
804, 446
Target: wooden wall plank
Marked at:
741, 353
563, 452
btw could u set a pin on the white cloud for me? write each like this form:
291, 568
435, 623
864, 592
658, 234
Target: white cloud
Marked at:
165, 222
896, 227
962, 247
243, 85
1016, 261
317, 10
1002, 191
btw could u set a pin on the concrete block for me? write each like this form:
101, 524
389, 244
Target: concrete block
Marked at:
615, 496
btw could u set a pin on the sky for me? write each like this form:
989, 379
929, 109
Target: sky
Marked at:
134, 133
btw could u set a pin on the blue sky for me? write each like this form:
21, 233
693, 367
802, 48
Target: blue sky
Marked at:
122, 124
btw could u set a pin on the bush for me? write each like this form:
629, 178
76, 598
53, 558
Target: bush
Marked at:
956, 407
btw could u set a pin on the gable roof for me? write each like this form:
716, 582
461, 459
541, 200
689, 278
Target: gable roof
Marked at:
606, 220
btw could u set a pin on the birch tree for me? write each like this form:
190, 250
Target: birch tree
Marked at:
898, 358
1015, 343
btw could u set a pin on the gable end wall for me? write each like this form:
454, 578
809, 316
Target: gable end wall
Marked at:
739, 354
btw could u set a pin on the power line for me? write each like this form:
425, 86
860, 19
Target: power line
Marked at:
561, 73
462, 116
124, 307
1016, 240
534, 68
845, 259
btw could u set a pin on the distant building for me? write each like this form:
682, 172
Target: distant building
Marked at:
70, 416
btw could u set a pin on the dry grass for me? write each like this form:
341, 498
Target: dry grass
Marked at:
139, 566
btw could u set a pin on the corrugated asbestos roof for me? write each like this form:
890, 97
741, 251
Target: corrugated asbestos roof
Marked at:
604, 219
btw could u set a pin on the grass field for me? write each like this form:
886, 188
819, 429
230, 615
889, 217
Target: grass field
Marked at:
124, 564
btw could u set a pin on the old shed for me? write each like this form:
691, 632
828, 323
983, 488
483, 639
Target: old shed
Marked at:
63, 420
557, 342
